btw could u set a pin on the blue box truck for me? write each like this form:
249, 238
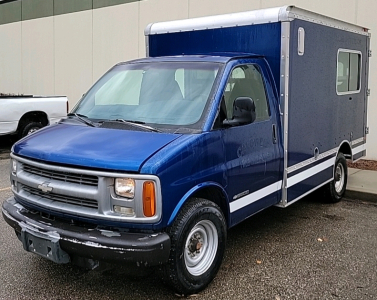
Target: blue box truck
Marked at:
227, 115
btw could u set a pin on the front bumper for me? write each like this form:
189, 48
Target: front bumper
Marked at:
59, 241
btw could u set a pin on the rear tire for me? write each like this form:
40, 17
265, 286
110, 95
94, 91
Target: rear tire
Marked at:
198, 237
29, 128
334, 191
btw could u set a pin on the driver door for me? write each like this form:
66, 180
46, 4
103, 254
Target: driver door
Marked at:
251, 151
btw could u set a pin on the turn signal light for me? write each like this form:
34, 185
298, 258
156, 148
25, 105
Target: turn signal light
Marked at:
149, 199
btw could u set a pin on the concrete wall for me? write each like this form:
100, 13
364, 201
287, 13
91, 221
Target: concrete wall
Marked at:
10, 58
63, 46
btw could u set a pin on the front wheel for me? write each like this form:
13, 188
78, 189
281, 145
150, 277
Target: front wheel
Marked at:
335, 190
198, 238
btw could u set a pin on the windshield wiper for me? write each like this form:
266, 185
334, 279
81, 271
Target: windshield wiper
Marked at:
82, 118
137, 124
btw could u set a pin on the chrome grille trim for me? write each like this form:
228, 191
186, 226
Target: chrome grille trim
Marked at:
61, 176
89, 203
70, 190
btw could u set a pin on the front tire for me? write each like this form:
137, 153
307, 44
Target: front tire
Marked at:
198, 237
335, 190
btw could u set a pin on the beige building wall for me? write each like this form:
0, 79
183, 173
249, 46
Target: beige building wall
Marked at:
73, 48
10, 58
156, 10
38, 57
64, 54
366, 16
115, 36
200, 8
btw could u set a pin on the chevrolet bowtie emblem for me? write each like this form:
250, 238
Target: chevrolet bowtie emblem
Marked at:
44, 187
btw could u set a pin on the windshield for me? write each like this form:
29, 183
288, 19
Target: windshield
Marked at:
162, 94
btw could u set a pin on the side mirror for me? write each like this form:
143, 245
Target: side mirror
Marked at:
243, 112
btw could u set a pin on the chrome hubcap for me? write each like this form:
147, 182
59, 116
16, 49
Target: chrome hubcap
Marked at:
339, 178
31, 130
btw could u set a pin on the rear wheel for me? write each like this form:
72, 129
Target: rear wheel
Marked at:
29, 128
335, 190
198, 237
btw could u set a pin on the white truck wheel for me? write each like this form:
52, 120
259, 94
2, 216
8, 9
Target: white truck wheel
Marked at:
29, 128
334, 191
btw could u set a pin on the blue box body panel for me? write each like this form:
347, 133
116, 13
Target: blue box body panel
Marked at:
327, 118
262, 39
318, 118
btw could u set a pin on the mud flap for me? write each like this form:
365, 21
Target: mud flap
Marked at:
44, 245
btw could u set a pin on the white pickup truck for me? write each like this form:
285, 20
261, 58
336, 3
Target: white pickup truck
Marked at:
25, 114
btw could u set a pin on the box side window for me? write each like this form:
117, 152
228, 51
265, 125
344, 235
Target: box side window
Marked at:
348, 72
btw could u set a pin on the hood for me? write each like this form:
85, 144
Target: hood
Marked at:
84, 146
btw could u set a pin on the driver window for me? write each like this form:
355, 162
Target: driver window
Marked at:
245, 81
233, 88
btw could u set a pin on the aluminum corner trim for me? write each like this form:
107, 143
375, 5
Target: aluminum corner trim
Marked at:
148, 29
310, 16
284, 13
146, 46
284, 94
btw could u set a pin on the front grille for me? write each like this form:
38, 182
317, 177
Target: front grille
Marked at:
61, 198
62, 176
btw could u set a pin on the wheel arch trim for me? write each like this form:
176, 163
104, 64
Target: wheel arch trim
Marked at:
343, 145
32, 116
198, 188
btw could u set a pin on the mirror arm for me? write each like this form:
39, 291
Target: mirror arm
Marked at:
231, 123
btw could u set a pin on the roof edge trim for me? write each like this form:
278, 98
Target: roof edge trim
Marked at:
261, 16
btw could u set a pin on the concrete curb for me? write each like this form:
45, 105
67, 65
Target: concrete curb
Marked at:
362, 185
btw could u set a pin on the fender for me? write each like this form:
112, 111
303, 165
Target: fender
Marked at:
341, 145
191, 192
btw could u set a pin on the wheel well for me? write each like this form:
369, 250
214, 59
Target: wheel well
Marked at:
345, 148
33, 116
217, 196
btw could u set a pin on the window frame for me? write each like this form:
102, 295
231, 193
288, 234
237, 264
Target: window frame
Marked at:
360, 71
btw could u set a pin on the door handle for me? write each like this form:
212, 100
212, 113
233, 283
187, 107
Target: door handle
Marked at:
274, 134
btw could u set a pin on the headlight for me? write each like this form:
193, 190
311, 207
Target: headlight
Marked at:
125, 187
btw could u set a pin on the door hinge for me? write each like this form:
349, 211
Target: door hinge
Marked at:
367, 130
369, 53
368, 92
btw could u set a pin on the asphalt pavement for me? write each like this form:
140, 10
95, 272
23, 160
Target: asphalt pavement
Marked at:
309, 250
